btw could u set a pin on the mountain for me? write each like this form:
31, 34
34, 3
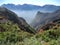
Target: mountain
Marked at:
9, 15
26, 7
21, 7
28, 11
42, 19
50, 8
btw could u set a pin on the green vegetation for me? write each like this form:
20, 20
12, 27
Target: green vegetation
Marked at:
11, 34
48, 37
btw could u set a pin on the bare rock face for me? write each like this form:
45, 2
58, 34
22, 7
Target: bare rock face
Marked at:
42, 19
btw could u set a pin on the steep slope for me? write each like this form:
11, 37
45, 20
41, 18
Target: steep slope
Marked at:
42, 19
13, 17
11, 34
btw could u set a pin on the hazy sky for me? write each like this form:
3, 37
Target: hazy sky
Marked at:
34, 2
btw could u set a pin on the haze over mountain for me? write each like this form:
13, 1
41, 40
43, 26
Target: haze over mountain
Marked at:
28, 11
11, 16
41, 19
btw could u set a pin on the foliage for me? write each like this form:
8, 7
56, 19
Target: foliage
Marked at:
11, 34
49, 37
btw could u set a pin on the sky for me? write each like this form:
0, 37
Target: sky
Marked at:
34, 2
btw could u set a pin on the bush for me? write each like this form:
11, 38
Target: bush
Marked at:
12, 33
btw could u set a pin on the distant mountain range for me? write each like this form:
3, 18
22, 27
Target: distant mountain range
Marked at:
26, 7
21, 7
42, 19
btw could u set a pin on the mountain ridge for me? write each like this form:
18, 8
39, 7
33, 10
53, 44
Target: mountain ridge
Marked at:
42, 19
14, 18
28, 7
